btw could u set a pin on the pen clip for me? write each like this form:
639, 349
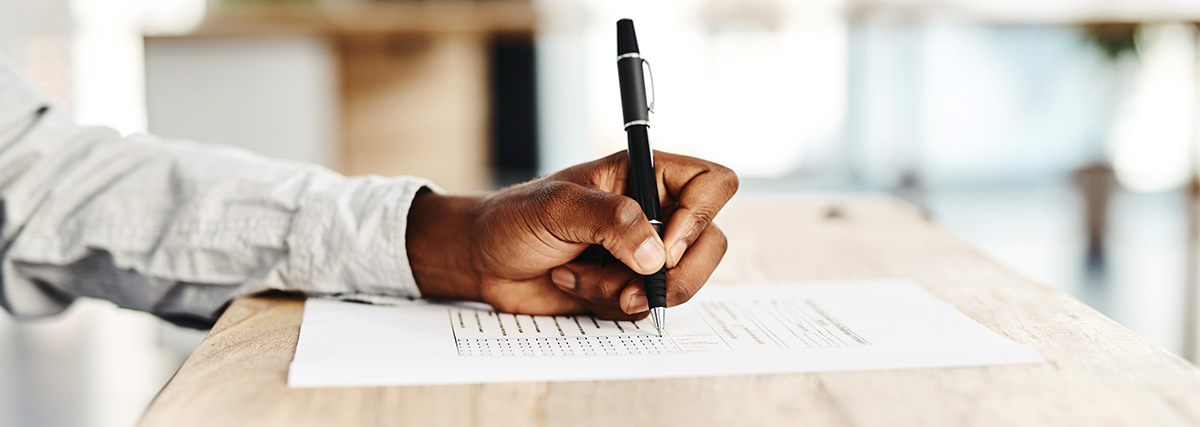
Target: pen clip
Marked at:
649, 71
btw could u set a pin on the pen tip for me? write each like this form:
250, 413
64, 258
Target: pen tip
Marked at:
658, 316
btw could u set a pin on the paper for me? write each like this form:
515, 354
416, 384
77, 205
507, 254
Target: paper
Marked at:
733, 330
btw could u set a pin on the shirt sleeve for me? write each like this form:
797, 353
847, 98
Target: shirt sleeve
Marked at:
177, 228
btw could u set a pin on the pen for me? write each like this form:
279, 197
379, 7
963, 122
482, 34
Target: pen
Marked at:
641, 159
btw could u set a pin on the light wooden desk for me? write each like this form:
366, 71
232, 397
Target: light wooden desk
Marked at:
1097, 372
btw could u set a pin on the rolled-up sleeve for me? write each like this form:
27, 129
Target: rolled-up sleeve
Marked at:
177, 228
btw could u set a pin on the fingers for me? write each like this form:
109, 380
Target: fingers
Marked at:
611, 291
538, 297
582, 205
697, 266
615, 292
700, 189
573, 213
694, 189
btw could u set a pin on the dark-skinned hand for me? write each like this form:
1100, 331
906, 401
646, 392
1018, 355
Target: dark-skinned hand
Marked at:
519, 249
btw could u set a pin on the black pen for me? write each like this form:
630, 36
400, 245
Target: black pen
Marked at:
641, 159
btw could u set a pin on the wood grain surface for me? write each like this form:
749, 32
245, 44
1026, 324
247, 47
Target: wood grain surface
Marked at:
1097, 372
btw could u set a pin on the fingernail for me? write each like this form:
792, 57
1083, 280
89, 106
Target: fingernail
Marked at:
676, 252
637, 304
564, 278
650, 256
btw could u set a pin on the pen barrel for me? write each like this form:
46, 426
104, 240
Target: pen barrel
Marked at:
642, 180
643, 187
633, 89
656, 284
642, 184
656, 288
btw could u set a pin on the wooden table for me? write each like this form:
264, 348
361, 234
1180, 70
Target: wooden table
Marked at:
1097, 372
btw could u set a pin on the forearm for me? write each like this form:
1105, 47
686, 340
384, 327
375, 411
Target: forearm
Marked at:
178, 228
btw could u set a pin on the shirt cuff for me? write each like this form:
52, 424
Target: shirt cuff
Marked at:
348, 241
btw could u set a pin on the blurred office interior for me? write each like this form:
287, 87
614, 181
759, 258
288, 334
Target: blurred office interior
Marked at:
1059, 137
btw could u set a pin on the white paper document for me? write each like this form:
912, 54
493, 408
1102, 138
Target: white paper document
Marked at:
731, 330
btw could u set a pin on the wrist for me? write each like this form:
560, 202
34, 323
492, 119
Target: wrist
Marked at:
438, 242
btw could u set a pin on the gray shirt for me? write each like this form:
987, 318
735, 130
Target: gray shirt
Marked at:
177, 228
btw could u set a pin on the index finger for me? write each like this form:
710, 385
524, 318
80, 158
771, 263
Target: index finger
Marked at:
700, 189
693, 271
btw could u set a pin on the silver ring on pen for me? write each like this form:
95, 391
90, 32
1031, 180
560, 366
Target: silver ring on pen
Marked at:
637, 122
629, 55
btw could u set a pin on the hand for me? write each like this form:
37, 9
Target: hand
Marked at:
520, 249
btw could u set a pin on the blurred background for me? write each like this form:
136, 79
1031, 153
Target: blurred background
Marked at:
1060, 137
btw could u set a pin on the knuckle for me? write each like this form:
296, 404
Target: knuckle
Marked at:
702, 216
679, 294
727, 177
721, 241
601, 282
506, 306
626, 212
618, 157
551, 193
698, 219
550, 205
602, 291
556, 198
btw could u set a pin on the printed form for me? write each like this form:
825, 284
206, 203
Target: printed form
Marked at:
724, 325
732, 330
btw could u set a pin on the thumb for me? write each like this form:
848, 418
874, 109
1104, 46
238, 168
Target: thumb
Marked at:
577, 214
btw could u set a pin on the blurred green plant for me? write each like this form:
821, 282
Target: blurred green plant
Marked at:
1114, 38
